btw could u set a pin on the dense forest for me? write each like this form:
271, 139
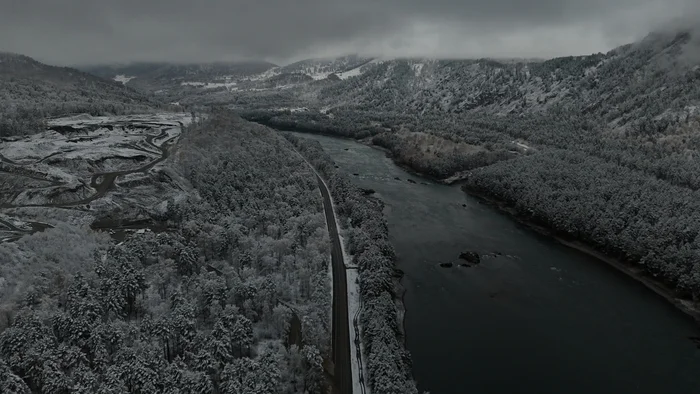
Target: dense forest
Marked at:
235, 299
388, 362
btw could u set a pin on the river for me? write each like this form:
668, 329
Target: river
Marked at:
539, 318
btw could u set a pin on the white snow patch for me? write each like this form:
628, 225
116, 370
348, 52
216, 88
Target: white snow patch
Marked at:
293, 110
351, 73
521, 145
211, 85
264, 76
123, 79
417, 68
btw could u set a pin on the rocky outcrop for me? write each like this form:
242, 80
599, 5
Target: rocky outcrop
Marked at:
470, 257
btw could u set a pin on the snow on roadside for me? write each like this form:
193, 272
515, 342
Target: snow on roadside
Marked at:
354, 303
359, 366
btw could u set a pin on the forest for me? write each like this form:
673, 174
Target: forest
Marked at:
388, 362
234, 299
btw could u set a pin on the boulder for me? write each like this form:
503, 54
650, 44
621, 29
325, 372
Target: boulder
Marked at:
411, 180
470, 257
367, 192
446, 265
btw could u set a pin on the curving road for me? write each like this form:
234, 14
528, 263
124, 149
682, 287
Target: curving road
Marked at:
341, 330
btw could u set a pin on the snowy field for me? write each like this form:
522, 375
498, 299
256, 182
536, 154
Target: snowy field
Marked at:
91, 165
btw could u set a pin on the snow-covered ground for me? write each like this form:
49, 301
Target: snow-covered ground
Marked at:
123, 79
293, 110
97, 138
522, 146
212, 85
58, 165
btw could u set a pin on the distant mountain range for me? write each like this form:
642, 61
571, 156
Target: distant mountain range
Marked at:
154, 76
656, 77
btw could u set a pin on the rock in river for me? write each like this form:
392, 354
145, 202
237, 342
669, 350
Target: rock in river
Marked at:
470, 257
367, 192
411, 180
446, 265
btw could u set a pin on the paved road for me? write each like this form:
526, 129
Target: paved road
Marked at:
341, 327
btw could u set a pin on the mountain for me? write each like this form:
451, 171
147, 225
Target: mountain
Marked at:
155, 76
322, 68
653, 76
30, 91
656, 77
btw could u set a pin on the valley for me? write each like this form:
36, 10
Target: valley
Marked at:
247, 227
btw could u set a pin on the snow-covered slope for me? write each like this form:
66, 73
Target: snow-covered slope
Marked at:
654, 76
321, 68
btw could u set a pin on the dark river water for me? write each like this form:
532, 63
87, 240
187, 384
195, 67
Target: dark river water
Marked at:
541, 318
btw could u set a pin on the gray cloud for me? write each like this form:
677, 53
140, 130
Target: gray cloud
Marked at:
96, 31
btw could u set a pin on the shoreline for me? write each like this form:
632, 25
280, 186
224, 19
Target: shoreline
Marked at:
686, 306
635, 273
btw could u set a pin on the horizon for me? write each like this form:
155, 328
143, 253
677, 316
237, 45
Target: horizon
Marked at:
78, 33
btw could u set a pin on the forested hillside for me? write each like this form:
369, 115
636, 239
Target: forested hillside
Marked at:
603, 148
235, 298
31, 91
322, 68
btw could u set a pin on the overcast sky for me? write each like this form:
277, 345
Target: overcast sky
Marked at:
100, 31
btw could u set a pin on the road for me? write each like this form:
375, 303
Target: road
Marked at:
341, 328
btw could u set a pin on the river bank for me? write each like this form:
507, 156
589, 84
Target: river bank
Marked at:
571, 312
635, 272
657, 286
